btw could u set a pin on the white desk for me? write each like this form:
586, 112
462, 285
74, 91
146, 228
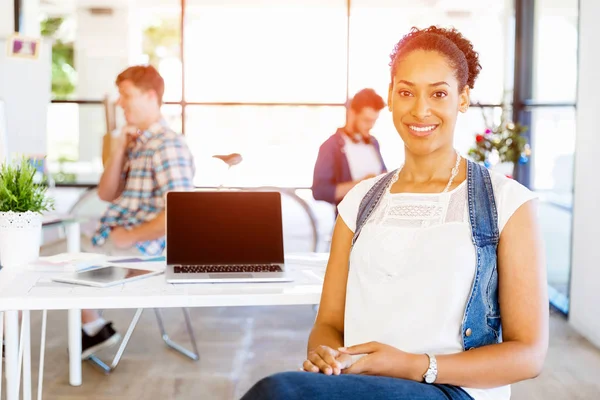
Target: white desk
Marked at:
73, 238
23, 290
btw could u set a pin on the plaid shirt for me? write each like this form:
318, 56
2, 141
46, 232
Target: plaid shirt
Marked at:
157, 162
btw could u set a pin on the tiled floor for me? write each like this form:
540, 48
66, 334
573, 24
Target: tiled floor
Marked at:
241, 345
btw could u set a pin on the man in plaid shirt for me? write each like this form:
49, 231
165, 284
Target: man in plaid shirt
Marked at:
155, 162
146, 161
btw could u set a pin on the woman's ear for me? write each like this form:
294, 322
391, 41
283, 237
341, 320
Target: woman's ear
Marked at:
464, 99
389, 98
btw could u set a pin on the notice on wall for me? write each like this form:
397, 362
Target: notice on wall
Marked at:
23, 47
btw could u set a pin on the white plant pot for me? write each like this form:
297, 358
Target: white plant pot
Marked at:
20, 238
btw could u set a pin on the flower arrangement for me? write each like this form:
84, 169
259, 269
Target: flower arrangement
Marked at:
502, 143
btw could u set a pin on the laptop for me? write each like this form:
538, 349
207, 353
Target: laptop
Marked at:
224, 236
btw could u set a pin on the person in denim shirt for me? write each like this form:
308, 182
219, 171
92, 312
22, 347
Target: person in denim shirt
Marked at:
435, 286
352, 154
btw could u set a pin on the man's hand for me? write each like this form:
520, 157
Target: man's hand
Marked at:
326, 360
122, 238
129, 133
383, 360
111, 183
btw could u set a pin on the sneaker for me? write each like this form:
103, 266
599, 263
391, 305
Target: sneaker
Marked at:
104, 338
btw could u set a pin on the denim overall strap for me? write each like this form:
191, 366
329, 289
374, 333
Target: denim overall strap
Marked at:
481, 323
370, 202
482, 206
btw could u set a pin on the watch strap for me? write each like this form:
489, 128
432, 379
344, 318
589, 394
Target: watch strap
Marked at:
431, 374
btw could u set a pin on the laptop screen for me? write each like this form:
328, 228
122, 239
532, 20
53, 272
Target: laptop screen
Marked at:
224, 227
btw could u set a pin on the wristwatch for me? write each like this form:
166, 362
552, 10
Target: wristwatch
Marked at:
431, 374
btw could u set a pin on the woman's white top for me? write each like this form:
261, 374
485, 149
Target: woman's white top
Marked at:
412, 268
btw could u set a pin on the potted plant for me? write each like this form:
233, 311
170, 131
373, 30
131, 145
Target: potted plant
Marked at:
501, 147
22, 202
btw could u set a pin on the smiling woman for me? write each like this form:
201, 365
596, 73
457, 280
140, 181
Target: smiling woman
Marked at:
435, 286
425, 101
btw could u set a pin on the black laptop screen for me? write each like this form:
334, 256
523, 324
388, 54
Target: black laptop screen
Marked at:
223, 227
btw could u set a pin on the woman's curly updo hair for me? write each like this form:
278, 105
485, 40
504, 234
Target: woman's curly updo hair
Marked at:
449, 42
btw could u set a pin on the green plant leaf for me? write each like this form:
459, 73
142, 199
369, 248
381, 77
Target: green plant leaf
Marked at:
18, 190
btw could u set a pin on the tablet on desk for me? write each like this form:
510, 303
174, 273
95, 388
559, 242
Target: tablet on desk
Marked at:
106, 275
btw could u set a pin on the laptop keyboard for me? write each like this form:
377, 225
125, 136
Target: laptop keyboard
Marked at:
200, 269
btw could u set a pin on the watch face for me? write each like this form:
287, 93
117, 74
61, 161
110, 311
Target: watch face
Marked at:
429, 378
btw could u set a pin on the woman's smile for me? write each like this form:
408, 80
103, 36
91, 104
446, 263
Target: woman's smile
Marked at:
422, 130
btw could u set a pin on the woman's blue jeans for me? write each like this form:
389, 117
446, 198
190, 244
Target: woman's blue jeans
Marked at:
308, 385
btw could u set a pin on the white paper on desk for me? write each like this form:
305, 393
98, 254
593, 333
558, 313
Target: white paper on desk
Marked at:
67, 262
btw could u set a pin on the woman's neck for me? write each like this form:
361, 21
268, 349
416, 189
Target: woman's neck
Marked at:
428, 168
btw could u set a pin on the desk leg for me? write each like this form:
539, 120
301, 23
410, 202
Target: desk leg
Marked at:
73, 238
12, 355
26, 355
42, 354
75, 347
1, 349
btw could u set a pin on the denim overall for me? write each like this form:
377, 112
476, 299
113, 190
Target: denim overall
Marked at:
481, 323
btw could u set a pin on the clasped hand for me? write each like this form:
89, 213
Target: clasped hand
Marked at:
378, 359
327, 360
128, 135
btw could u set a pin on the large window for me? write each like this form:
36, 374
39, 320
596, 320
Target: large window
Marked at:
278, 144
551, 112
283, 66
553, 131
269, 51
267, 79
555, 63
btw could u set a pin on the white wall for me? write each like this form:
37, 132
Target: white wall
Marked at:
25, 88
585, 280
7, 19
